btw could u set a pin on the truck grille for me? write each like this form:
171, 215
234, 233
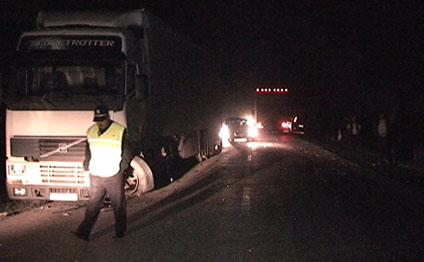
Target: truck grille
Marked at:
62, 174
34, 147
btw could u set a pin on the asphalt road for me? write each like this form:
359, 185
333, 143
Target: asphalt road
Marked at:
282, 199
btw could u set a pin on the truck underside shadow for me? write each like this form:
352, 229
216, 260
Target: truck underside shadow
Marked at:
166, 171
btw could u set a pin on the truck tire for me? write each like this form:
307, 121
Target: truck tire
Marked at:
131, 183
139, 178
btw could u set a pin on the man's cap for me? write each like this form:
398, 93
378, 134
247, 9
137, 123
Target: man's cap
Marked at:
101, 113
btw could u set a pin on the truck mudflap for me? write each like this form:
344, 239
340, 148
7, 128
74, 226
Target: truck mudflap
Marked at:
140, 180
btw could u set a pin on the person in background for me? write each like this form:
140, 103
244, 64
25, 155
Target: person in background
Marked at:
354, 129
108, 155
382, 138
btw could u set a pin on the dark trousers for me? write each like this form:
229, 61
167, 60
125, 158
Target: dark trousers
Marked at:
99, 187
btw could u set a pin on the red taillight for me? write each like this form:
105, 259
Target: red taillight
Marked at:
286, 125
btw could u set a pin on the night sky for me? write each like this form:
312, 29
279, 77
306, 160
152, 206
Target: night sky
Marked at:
337, 53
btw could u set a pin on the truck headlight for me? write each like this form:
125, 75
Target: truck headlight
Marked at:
17, 169
224, 133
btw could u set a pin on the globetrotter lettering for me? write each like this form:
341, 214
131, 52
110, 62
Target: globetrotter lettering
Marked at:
61, 44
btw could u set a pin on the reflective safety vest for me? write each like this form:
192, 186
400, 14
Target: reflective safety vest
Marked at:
106, 150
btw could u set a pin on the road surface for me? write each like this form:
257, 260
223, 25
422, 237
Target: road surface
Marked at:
280, 199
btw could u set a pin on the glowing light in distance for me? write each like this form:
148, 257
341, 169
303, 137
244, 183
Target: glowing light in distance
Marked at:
285, 124
252, 131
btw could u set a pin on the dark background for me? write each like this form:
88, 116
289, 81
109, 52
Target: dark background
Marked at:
342, 58
341, 52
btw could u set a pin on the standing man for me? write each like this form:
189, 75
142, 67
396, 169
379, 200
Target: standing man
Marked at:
382, 143
107, 156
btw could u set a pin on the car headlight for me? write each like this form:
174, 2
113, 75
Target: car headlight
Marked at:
224, 133
17, 169
252, 131
286, 124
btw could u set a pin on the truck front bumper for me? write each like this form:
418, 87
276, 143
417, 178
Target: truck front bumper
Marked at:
41, 192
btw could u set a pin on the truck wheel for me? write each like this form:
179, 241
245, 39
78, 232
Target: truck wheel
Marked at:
132, 182
139, 177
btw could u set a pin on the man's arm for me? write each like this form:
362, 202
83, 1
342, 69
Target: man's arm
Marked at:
87, 157
127, 152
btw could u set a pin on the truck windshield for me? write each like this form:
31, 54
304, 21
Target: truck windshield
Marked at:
65, 84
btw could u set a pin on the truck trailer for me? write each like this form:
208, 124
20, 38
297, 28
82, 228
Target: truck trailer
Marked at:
158, 84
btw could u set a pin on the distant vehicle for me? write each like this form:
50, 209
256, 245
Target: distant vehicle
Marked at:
275, 107
297, 125
286, 126
281, 125
237, 129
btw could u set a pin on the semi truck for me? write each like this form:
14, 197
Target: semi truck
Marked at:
156, 82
